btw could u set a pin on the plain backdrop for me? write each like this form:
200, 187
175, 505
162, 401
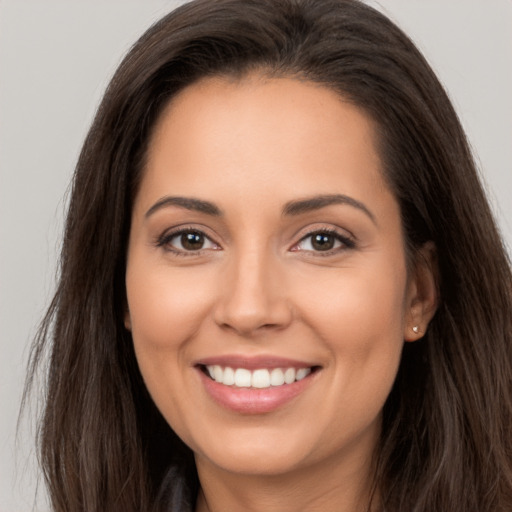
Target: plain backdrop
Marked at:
55, 60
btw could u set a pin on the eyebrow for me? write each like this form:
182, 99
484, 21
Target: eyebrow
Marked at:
317, 202
188, 203
292, 208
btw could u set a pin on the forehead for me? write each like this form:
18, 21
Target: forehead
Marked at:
280, 137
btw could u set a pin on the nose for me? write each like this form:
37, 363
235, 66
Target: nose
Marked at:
253, 297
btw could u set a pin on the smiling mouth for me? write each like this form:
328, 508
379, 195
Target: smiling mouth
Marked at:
261, 378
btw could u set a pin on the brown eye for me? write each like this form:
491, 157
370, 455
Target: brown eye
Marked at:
322, 241
187, 241
192, 241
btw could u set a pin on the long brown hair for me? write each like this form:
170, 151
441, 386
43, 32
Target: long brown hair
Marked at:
446, 440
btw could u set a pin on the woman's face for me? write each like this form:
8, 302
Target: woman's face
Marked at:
266, 250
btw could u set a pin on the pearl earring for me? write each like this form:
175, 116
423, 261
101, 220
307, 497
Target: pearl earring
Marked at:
415, 329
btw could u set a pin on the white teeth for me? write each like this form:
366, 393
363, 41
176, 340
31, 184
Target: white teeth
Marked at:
289, 375
218, 374
276, 377
242, 378
229, 376
302, 373
261, 378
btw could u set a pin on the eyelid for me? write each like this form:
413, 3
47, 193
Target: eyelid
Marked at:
164, 239
347, 240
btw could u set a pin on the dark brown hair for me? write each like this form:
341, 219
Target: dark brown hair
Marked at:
446, 440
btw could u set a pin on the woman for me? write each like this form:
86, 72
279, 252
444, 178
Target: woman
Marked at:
281, 284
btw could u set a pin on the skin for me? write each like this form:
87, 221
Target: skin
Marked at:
259, 286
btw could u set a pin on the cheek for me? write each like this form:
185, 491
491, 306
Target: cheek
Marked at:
353, 305
165, 306
358, 316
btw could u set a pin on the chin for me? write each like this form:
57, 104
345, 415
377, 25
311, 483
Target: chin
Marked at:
254, 463
256, 452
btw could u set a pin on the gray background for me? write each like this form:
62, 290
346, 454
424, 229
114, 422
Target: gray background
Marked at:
55, 60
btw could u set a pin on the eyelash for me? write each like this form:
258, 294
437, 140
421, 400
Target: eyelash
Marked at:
165, 239
346, 242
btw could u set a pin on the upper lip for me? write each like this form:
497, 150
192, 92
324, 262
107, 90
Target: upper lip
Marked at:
253, 362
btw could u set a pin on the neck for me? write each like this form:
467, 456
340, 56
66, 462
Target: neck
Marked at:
326, 487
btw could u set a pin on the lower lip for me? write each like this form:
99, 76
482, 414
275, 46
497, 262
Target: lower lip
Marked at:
253, 400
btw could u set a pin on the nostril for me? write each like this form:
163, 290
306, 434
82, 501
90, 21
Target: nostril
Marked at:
252, 307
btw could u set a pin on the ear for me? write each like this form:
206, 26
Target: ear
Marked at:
422, 293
